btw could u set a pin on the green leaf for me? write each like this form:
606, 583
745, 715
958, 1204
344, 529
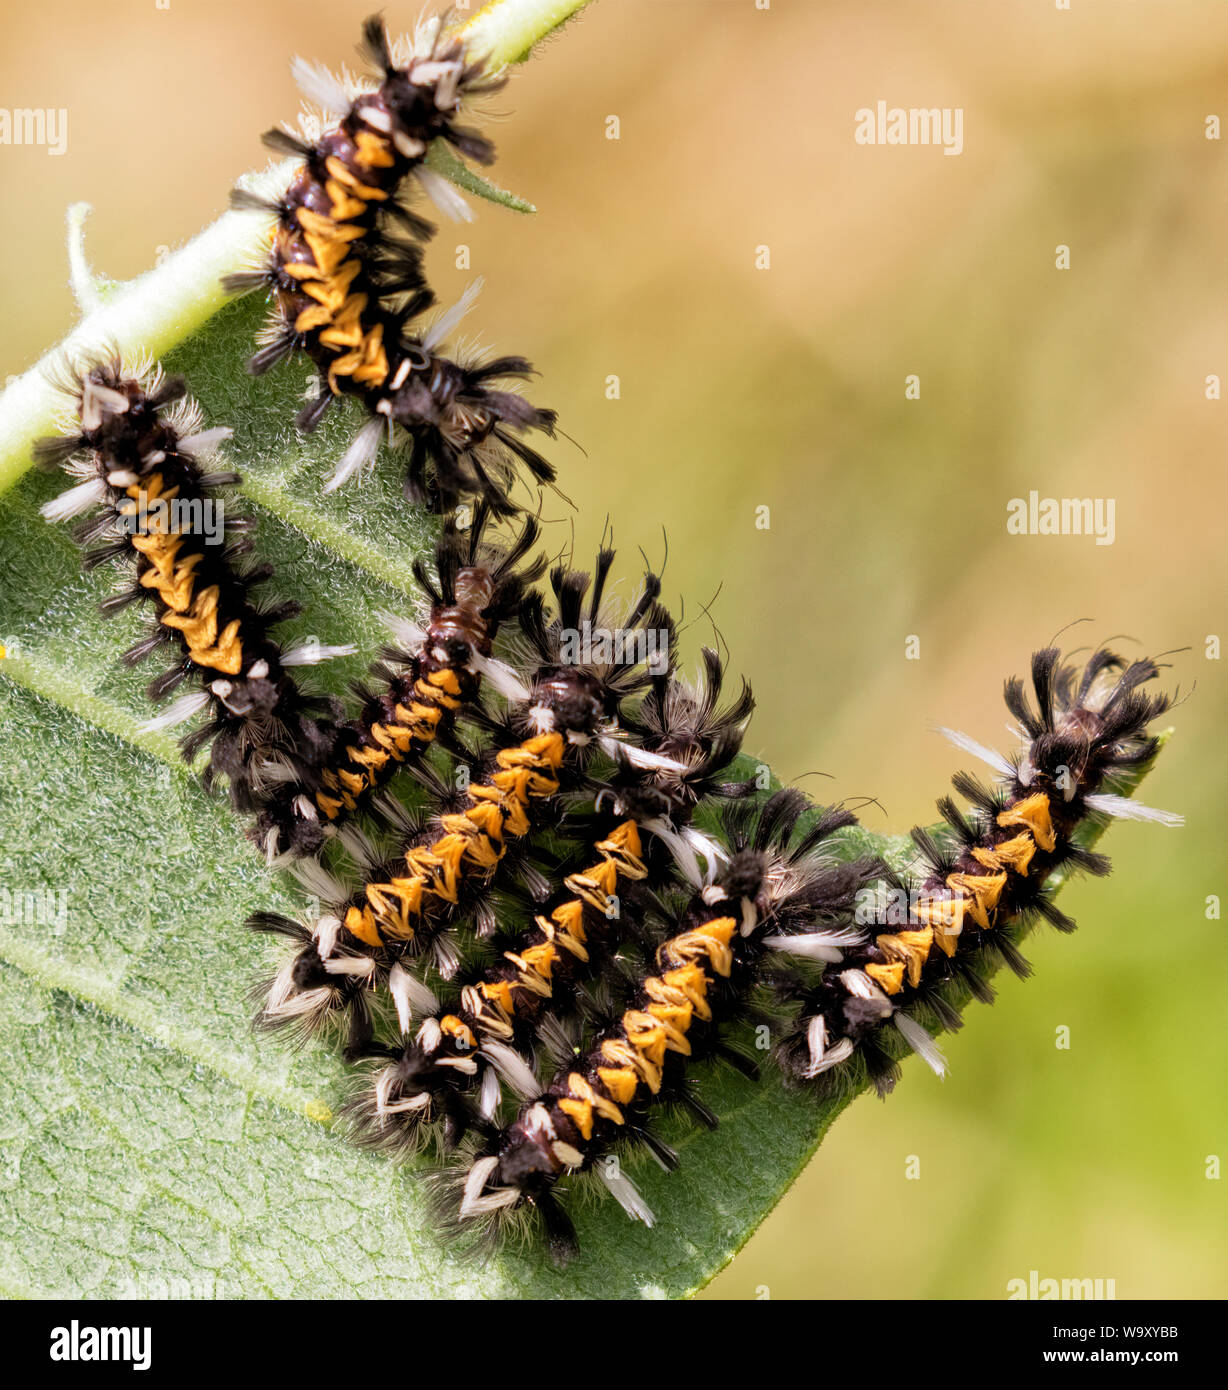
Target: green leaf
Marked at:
153, 1145
444, 162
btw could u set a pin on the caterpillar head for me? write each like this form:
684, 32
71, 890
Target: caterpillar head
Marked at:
424, 83
118, 414
317, 985
417, 1096
1087, 723
499, 1194
571, 700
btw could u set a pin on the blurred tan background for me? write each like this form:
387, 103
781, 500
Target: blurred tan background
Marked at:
784, 388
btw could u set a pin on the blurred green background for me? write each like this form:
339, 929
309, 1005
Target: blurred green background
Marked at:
784, 388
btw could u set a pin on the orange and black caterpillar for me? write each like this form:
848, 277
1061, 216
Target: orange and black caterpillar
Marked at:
987, 879
640, 838
136, 447
426, 684
346, 289
773, 885
405, 907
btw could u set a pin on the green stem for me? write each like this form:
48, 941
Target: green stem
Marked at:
505, 31
158, 310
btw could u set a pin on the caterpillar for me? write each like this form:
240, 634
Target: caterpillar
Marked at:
137, 447
640, 834
404, 907
426, 684
773, 887
983, 884
345, 288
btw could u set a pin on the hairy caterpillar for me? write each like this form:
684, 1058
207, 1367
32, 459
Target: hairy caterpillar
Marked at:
984, 883
773, 887
640, 838
426, 684
137, 448
405, 906
346, 288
